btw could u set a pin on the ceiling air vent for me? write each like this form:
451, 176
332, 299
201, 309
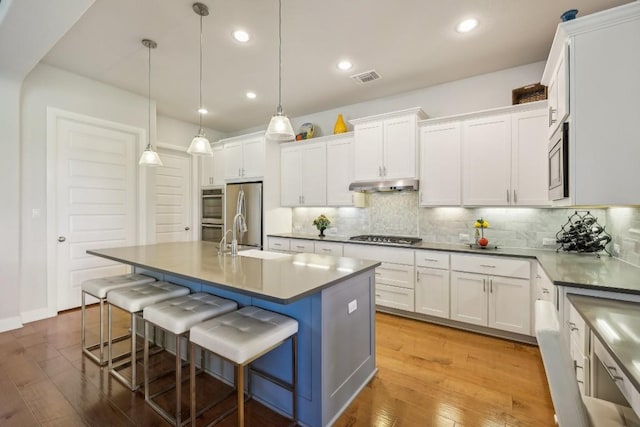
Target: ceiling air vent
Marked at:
366, 77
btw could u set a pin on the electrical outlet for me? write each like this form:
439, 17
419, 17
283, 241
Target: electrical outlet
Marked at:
463, 237
35, 213
548, 241
616, 249
353, 306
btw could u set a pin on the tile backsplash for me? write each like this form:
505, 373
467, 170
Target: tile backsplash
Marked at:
399, 214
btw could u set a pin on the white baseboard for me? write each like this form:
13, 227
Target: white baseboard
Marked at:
10, 323
38, 314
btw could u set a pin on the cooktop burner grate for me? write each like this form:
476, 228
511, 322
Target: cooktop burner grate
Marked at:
389, 240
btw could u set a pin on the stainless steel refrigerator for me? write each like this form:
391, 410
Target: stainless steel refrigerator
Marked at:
245, 198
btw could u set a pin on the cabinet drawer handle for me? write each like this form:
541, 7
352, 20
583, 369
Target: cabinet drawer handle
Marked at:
378, 274
326, 250
277, 244
487, 265
545, 290
299, 247
378, 295
613, 373
491, 285
484, 285
430, 259
508, 197
572, 326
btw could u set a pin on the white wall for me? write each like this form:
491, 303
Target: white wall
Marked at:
44, 87
476, 93
10, 211
47, 86
176, 132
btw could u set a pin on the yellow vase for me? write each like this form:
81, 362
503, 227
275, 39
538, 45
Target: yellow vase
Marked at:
340, 126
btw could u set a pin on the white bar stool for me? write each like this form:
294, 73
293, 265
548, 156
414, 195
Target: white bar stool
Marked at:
177, 316
99, 288
241, 337
134, 299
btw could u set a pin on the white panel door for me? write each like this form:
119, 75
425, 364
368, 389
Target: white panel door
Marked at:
368, 151
440, 165
529, 159
173, 197
399, 148
469, 298
314, 175
96, 200
487, 161
290, 172
339, 172
509, 304
432, 292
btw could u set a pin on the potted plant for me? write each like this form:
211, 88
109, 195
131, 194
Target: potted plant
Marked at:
481, 224
321, 223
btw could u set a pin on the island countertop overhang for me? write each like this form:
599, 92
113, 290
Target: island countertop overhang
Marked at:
281, 280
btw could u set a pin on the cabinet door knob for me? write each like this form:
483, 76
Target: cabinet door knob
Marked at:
187, 228
61, 239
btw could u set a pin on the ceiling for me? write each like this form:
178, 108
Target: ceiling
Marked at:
410, 43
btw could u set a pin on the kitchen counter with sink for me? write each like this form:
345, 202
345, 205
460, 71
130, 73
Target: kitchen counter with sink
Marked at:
564, 269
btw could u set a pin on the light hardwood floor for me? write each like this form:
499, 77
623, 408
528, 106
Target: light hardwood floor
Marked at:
428, 376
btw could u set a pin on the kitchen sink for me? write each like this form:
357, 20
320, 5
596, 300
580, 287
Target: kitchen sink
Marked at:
255, 253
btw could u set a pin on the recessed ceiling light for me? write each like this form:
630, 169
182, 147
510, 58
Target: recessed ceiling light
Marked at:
467, 25
251, 95
203, 110
345, 65
241, 36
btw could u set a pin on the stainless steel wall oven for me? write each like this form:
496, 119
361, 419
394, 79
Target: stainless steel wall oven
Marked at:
212, 214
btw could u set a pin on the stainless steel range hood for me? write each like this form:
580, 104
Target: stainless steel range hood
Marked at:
391, 185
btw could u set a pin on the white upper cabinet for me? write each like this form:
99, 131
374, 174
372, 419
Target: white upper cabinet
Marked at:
558, 93
505, 159
303, 174
529, 166
385, 146
440, 164
244, 157
602, 66
212, 168
487, 161
340, 170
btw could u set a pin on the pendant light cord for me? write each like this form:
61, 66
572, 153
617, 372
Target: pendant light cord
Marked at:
279, 56
149, 99
200, 107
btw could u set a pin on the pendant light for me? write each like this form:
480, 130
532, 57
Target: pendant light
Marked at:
149, 156
200, 144
280, 128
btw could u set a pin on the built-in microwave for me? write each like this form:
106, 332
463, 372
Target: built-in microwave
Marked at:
559, 163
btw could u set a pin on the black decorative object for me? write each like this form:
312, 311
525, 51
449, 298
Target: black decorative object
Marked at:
582, 233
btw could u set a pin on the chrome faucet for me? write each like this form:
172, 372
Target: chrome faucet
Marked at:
239, 224
223, 242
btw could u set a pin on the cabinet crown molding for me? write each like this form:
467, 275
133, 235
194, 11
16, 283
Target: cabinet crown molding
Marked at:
595, 21
317, 140
529, 106
416, 110
241, 137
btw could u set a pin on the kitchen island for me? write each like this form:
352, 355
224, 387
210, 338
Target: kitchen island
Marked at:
332, 298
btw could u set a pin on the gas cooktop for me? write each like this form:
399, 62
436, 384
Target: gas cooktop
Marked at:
387, 240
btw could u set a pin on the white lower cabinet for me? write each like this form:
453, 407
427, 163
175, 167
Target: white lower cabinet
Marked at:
394, 277
432, 283
328, 248
279, 244
579, 348
394, 286
469, 298
297, 245
491, 300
